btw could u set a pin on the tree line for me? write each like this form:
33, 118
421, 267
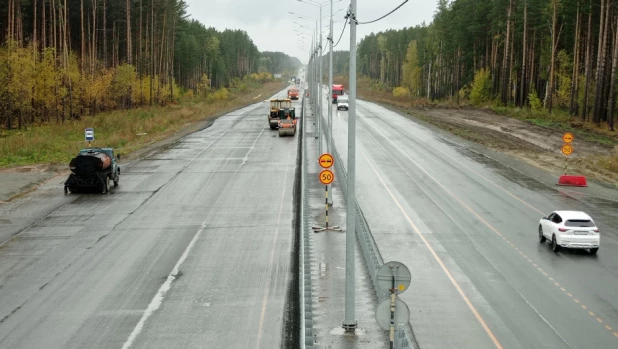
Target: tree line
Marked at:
61, 59
543, 54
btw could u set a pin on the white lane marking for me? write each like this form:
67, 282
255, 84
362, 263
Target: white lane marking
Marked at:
155, 303
446, 271
272, 256
157, 300
251, 149
477, 250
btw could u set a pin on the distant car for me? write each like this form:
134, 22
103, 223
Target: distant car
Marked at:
342, 103
293, 93
570, 229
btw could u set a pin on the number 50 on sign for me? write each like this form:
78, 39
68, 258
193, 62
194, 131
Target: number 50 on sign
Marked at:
327, 177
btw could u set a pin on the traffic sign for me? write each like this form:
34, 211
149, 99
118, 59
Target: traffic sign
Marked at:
326, 160
401, 274
567, 137
567, 149
383, 314
327, 177
89, 134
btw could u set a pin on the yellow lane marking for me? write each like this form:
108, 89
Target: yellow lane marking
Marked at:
446, 271
462, 204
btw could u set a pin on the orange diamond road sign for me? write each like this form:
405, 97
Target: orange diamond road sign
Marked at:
326, 160
327, 177
567, 137
567, 149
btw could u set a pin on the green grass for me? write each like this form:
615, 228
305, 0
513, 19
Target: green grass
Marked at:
125, 131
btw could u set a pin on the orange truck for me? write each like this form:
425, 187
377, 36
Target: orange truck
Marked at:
293, 93
337, 91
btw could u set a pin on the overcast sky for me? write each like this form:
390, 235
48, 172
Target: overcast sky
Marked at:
271, 27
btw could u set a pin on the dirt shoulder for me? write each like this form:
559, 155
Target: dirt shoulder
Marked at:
535, 145
18, 181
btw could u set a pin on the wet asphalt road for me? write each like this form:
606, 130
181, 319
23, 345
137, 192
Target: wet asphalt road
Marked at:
192, 250
466, 226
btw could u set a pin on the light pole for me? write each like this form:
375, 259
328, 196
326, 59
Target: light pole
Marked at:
320, 74
329, 136
349, 322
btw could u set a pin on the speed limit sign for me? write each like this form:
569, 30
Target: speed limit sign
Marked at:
327, 177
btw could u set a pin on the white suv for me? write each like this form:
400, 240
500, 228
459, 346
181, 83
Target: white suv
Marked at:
342, 103
570, 229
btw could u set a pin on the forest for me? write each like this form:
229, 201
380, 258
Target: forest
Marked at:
551, 55
62, 59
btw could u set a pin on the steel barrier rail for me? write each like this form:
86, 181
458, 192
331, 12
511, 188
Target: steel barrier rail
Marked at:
306, 316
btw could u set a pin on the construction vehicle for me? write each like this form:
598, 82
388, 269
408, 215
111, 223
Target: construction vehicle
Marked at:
337, 91
93, 168
277, 111
287, 123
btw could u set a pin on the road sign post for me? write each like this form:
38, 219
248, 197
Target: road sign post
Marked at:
567, 148
326, 177
394, 278
89, 136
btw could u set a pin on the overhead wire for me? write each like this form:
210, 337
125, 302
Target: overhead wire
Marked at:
386, 15
345, 23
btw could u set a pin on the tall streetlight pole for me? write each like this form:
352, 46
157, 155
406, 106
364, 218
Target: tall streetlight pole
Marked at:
320, 99
349, 322
329, 137
329, 129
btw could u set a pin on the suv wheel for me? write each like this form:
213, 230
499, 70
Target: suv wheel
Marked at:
541, 236
554, 244
594, 250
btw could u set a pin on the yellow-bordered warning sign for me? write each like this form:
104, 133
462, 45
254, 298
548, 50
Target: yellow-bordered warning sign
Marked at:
326, 160
327, 177
567, 137
567, 149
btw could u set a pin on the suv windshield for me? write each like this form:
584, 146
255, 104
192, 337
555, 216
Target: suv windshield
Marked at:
582, 223
342, 100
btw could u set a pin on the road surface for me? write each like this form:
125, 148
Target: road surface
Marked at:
466, 226
192, 250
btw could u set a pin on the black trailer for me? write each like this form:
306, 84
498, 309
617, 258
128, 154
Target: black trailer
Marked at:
93, 168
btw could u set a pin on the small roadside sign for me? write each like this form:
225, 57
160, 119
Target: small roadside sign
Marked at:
394, 276
326, 160
567, 137
89, 134
385, 317
327, 177
567, 149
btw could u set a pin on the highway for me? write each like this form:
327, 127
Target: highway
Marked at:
192, 250
466, 226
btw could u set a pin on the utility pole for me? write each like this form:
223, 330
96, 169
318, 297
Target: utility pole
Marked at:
349, 323
313, 86
320, 97
329, 136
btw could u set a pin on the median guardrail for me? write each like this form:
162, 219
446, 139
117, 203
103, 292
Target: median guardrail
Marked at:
371, 252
